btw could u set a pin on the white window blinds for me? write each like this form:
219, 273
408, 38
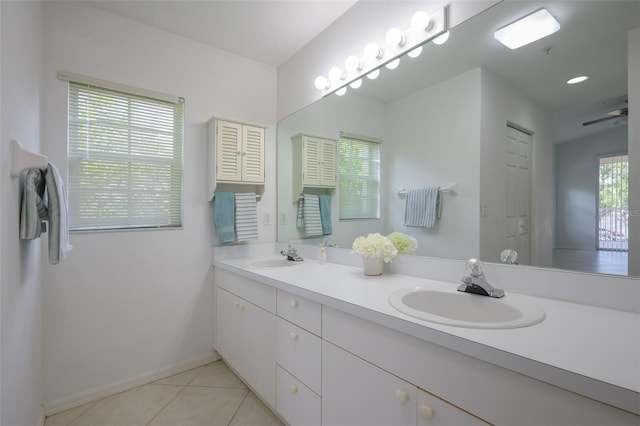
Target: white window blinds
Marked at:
125, 159
359, 178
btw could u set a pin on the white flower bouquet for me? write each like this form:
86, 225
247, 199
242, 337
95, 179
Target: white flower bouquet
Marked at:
375, 246
405, 244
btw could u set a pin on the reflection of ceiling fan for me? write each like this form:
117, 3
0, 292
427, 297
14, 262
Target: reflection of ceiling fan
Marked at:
616, 113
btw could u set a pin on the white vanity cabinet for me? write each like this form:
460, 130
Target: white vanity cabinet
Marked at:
433, 411
239, 152
246, 331
314, 163
298, 357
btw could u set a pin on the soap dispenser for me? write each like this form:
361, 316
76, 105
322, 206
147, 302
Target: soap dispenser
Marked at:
322, 255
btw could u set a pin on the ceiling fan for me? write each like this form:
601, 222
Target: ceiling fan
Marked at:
611, 115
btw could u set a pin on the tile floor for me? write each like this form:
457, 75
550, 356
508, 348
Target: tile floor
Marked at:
203, 396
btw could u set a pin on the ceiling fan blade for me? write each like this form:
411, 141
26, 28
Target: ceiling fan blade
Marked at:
600, 120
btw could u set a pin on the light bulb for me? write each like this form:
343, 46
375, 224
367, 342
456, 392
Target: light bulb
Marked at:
415, 52
576, 80
353, 64
393, 64
336, 73
421, 21
441, 39
372, 51
395, 37
356, 84
322, 83
341, 91
373, 74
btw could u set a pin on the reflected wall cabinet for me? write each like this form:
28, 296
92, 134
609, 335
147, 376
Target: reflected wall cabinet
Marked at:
314, 163
236, 153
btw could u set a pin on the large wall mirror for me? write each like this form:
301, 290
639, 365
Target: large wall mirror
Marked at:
503, 125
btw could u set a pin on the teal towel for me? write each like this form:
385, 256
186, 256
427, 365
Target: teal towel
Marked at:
325, 214
224, 211
422, 207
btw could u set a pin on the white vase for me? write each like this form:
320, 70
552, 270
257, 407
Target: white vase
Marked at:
372, 265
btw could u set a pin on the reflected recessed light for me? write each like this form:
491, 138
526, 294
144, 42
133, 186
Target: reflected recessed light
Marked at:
575, 80
532, 27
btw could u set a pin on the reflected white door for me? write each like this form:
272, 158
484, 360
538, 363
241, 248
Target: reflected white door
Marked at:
518, 187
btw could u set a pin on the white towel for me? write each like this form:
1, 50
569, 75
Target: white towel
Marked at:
422, 207
309, 215
58, 219
246, 216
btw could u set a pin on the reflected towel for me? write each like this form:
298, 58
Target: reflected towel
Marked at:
58, 218
325, 214
246, 216
224, 216
309, 215
422, 207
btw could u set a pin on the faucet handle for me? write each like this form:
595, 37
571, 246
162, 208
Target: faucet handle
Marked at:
475, 267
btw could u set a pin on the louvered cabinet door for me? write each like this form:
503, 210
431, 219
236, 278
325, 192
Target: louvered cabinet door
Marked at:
228, 151
328, 163
253, 154
311, 151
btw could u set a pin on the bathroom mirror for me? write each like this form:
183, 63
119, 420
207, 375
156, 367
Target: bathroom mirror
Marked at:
503, 125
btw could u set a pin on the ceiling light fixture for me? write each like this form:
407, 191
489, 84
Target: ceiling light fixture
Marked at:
576, 80
528, 29
424, 27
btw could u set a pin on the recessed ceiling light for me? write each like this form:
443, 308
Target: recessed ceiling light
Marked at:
532, 27
576, 80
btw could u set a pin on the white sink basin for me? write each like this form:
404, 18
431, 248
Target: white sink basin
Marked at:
269, 263
451, 307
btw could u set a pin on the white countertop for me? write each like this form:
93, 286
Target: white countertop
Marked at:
589, 350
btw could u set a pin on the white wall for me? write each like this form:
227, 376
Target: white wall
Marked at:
428, 145
126, 306
351, 113
502, 103
21, 292
577, 186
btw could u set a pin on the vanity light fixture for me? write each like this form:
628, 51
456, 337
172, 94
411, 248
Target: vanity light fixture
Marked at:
441, 39
424, 27
576, 80
528, 29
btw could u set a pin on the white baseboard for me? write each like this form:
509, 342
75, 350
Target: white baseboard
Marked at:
80, 398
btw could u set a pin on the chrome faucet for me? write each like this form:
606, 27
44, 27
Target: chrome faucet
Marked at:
291, 254
476, 283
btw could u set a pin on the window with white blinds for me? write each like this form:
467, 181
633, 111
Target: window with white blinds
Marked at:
124, 158
359, 178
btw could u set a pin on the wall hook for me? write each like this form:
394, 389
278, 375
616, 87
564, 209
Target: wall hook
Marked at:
21, 159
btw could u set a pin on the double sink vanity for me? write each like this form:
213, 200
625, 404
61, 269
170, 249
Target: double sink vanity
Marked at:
325, 344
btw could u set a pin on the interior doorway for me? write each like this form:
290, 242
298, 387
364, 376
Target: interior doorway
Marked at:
613, 203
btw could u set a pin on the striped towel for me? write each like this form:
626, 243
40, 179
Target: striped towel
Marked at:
309, 215
422, 207
246, 216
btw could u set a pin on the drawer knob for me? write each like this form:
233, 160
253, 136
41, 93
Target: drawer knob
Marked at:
294, 303
402, 396
293, 388
293, 335
426, 411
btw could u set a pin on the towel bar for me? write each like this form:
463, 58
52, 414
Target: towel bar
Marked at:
21, 159
451, 189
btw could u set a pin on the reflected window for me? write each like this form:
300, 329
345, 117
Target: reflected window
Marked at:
359, 164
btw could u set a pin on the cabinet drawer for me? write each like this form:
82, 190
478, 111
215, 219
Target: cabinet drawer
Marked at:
257, 293
298, 351
300, 311
295, 402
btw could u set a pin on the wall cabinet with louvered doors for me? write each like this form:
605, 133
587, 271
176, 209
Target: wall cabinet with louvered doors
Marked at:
314, 163
239, 152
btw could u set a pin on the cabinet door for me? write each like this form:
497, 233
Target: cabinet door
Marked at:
355, 392
311, 150
328, 163
246, 339
253, 154
228, 151
433, 411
